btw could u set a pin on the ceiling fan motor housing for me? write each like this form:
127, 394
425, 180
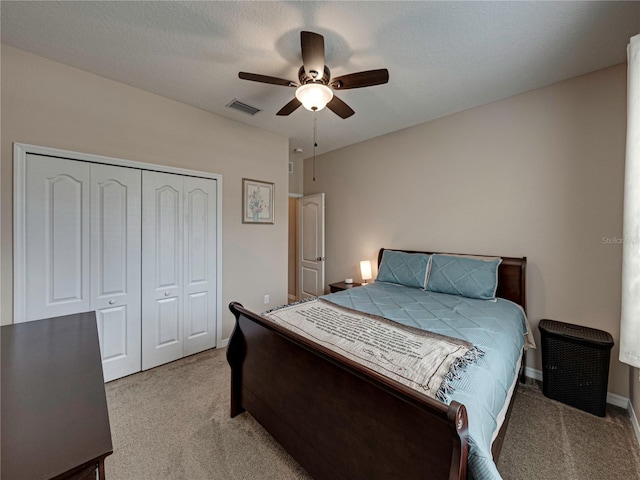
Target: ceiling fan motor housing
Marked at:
304, 78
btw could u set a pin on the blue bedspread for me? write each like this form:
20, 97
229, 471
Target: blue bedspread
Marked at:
496, 327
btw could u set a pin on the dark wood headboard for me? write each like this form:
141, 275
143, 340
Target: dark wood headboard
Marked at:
511, 275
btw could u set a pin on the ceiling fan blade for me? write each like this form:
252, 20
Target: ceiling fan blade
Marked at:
361, 79
340, 108
312, 54
289, 107
254, 77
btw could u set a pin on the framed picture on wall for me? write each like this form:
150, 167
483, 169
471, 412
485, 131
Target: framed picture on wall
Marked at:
257, 201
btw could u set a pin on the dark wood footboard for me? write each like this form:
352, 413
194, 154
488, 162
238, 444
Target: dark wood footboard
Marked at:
338, 419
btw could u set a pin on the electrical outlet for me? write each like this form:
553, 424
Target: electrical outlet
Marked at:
266, 299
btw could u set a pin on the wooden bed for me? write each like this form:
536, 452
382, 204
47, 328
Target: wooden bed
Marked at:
340, 420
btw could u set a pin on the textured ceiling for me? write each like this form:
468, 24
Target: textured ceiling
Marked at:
442, 57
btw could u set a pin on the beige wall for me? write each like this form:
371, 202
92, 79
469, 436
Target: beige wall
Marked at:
295, 187
634, 381
50, 104
537, 175
296, 178
293, 235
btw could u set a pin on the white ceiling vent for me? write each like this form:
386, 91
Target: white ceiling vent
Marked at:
243, 107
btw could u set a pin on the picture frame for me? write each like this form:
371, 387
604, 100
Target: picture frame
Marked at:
257, 201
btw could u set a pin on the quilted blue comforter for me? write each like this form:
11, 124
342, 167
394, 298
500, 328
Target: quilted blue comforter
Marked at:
496, 327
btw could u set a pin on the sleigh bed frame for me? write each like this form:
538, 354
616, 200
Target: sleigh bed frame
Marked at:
340, 420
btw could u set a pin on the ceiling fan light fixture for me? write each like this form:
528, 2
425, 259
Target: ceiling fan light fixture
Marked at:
314, 96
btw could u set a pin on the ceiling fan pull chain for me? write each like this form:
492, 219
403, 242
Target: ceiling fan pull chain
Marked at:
315, 142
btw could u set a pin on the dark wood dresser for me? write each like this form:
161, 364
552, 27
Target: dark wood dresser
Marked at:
54, 418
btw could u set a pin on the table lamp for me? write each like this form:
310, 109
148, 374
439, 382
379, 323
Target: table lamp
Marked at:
365, 271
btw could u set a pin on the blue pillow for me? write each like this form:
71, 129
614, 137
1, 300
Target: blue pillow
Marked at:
409, 269
469, 277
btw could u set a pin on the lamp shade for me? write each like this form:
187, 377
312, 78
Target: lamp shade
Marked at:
365, 270
314, 96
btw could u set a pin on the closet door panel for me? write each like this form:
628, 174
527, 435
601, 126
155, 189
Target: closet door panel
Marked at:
115, 266
196, 315
167, 235
112, 332
200, 264
57, 237
162, 262
167, 322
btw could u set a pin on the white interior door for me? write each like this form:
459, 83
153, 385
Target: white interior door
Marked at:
199, 328
311, 246
115, 266
162, 263
56, 202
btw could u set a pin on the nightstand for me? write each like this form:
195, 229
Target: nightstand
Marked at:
340, 286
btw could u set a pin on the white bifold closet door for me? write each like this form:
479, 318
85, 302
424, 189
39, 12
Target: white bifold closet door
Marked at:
115, 266
178, 267
57, 238
82, 252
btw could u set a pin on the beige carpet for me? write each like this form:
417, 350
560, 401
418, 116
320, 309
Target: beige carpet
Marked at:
172, 423
550, 440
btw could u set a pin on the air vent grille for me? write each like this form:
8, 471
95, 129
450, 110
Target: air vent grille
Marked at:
243, 107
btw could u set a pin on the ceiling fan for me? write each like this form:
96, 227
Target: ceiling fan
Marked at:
315, 87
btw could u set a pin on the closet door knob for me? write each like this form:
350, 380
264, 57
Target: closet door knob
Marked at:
166, 294
111, 302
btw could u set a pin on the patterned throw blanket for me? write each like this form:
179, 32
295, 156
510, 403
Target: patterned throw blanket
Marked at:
422, 360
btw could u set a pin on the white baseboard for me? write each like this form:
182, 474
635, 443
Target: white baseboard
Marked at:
222, 343
618, 401
612, 398
533, 373
634, 422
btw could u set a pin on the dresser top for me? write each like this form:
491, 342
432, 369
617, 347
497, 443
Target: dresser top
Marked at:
54, 408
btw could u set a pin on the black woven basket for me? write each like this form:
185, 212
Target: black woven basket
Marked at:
575, 363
